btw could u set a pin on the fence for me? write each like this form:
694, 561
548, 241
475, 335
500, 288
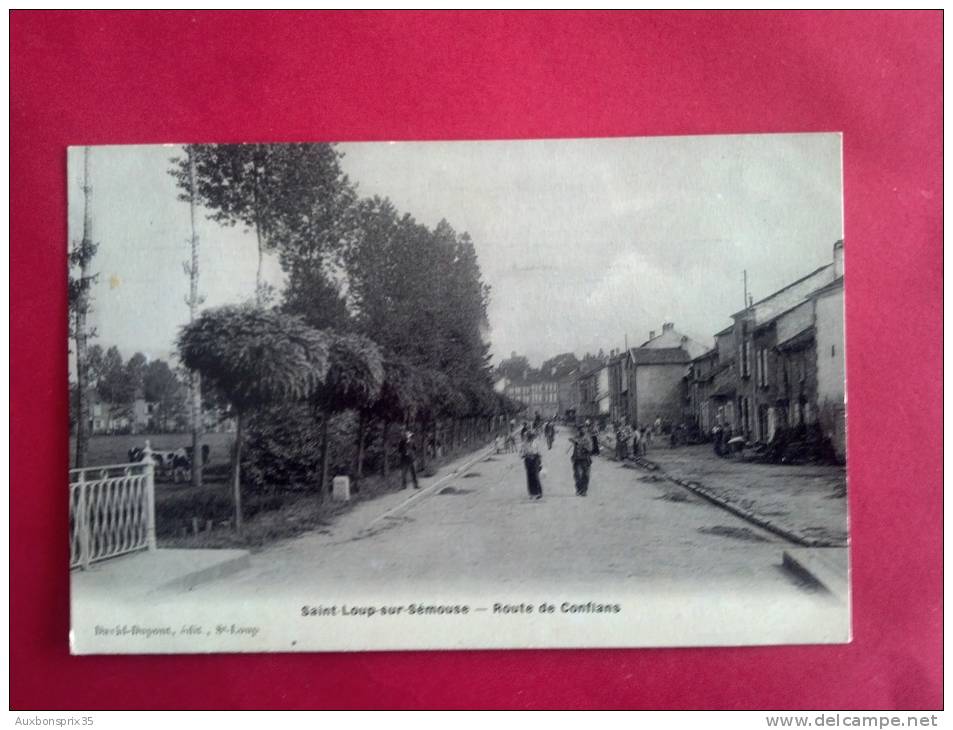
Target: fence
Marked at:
111, 511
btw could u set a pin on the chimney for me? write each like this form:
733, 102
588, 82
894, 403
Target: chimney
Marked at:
651, 334
668, 327
839, 259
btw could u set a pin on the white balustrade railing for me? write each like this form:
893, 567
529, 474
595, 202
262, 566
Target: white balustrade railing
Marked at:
111, 511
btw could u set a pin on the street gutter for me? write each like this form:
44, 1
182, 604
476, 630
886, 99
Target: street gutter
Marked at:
738, 511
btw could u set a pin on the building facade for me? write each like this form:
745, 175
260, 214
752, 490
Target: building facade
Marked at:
831, 365
540, 397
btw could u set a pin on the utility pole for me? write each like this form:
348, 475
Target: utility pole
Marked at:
81, 256
746, 289
194, 300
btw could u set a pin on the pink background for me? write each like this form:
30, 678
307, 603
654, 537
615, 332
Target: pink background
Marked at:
96, 78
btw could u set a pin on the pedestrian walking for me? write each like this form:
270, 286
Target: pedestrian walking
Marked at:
594, 435
405, 448
534, 464
550, 432
581, 460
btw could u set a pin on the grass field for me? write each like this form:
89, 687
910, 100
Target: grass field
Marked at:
114, 449
180, 508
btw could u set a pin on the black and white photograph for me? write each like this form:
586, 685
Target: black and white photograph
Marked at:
457, 394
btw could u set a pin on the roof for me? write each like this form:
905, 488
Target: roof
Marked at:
706, 354
783, 289
659, 356
802, 338
725, 331
838, 283
768, 322
727, 390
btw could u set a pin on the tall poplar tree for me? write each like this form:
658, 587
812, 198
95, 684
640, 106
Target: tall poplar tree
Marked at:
80, 282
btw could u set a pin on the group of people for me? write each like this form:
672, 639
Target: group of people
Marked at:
583, 444
635, 440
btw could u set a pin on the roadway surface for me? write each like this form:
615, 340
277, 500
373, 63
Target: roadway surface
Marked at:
640, 561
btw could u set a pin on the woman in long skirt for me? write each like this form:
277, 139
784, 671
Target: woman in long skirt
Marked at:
534, 463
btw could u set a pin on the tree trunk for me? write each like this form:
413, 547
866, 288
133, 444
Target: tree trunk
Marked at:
257, 205
324, 454
195, 384
80, 333
82, 392
237, 472
259, 291
423, 446
385, 461
359, 465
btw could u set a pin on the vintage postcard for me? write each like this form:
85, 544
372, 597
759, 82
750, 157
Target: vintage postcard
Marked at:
434, 395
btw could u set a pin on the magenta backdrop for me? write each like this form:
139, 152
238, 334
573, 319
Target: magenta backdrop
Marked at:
96, 78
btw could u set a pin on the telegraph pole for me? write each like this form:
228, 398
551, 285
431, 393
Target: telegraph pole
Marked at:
82, 256
194, 300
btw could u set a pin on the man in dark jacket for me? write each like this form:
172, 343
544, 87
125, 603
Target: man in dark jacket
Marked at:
406, 450
581, 460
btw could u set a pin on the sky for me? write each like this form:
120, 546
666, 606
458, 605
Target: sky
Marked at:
585, 243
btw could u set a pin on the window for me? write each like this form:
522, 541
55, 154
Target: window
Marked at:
761, 364
744, 356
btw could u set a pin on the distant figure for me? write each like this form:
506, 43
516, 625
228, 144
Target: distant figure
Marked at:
499, 443
523, 432
550, 432
620, 448
406, 450
594, 435
537, 422
534, 464
581, 460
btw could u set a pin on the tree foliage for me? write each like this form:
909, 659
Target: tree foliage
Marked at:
255, 356
354, 377
293, 196
398, 310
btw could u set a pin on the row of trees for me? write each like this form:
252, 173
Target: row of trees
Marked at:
559, 367
119, 383
381, 317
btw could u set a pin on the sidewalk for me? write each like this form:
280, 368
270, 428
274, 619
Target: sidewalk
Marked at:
798, 502
374, 514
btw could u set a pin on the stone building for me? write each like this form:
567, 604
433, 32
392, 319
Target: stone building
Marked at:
830, 364
539, 396
652, 381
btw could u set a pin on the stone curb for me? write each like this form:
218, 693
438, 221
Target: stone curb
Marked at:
810, 567
745, 514
229, 566
426, 491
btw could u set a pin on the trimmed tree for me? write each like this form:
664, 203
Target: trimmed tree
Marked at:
402, 393
354, 378
254, 357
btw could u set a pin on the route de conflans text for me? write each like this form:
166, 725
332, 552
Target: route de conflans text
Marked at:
420, 609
